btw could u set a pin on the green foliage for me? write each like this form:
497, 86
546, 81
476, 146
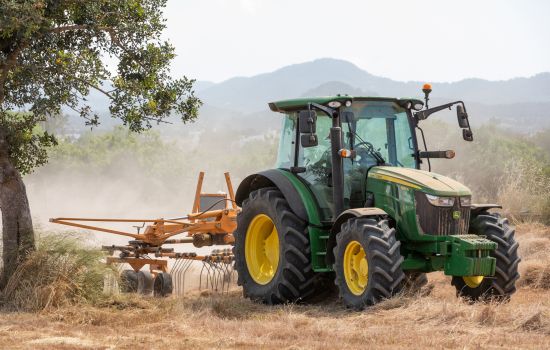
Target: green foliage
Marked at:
26, 142
96, 151
52, 54
499, 166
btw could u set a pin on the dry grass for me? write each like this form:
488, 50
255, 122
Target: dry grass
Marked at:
433, 318
62, 271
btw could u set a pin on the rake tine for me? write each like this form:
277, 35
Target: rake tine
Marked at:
228, 271
175, 272
216, 274
204, 270
187, 264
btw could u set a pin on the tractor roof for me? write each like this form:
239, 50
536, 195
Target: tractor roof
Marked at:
296, 104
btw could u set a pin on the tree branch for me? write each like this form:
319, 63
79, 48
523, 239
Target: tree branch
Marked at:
106, 93
10, 62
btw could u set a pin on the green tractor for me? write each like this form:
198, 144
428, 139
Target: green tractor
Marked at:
348, 200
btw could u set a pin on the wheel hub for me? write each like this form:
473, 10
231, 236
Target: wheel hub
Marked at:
262, 249
473, 281
356, 268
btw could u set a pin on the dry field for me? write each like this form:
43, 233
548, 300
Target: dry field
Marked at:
432, 319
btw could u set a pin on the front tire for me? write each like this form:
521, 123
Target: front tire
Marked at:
272, 251
503, 284
367, 262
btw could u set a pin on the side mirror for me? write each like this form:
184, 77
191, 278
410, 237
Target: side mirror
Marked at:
462, 117
309, 140
308, 122
467, 135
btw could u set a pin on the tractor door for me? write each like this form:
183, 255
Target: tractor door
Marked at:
316, 160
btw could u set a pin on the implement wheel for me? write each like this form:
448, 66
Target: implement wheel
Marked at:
272, 252
503, 284
145, 282
162, 285
367, 262
128, 281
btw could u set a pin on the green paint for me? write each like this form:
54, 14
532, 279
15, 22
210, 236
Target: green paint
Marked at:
317, 236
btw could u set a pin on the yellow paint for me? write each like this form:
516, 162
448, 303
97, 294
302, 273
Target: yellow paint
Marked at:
473, 281
395, 180
261, 249
356, 268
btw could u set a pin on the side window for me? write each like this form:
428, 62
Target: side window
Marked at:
403, 142
285, 154
317, 161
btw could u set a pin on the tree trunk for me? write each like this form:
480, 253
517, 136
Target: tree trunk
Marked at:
17, 230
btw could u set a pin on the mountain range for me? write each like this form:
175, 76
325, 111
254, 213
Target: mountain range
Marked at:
522, 104
337, 76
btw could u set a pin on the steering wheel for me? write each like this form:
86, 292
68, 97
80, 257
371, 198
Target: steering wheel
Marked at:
368, 148
368, 145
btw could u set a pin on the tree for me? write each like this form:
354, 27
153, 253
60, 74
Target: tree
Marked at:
52, 53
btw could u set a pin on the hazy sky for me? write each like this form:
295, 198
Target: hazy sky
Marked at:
403, 40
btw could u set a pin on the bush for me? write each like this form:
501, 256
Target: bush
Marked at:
61, 271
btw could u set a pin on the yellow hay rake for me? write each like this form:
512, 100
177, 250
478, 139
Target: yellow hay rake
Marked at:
212, 222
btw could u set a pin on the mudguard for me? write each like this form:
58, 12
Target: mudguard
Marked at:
272, 178
478, 208
343, 217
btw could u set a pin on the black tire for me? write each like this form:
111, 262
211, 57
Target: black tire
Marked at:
385, 277
503, 284
128, 281
414, 281
293, 279
145, 282
162, 286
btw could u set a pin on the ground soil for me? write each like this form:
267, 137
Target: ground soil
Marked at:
433, 319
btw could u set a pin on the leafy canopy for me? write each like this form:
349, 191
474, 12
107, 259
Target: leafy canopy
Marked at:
52, 53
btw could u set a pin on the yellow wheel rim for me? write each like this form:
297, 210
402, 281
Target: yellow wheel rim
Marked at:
261, 249
356, 268
473, 281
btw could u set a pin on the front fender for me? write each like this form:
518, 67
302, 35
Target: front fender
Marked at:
343, 217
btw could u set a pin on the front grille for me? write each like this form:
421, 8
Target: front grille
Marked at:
439, 221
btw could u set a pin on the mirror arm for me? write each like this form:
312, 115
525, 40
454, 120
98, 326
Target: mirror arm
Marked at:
427, 112
333, 113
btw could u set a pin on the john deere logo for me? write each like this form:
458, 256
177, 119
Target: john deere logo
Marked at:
456, 215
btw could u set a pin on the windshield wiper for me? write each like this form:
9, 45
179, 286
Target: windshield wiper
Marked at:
376, 154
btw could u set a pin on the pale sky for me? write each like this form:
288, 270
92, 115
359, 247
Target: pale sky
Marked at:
434, 40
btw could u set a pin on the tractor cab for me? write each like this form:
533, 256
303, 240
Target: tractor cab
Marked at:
375, 131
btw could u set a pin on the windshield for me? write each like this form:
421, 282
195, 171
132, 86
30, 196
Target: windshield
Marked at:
381, 126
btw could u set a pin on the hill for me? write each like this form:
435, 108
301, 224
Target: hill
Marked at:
253, 93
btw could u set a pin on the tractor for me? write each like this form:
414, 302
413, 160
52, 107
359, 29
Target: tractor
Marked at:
348, 201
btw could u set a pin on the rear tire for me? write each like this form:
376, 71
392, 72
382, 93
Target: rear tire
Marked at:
291, 277
503, 284
364, 284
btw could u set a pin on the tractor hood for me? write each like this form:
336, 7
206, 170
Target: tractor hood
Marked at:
431, 183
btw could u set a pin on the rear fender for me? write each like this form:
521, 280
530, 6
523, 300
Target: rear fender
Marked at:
272, 178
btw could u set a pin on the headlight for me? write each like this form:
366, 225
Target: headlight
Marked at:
441, 201
465, 201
